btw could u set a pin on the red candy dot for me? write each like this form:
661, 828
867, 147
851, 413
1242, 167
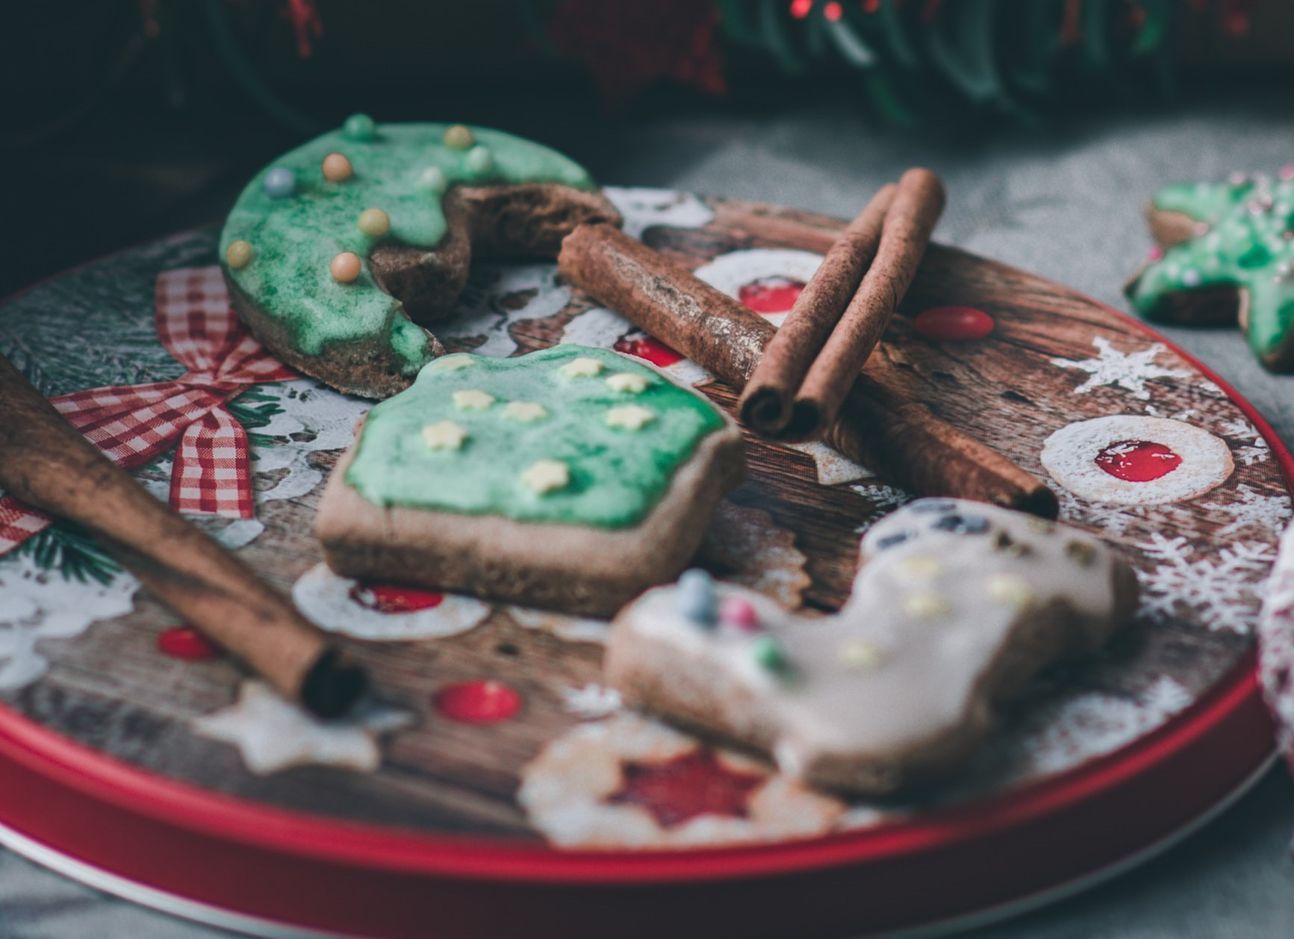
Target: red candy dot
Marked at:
185, 642
953, 323
388, 598
1138, 461
645, 347
481, 701
770, 294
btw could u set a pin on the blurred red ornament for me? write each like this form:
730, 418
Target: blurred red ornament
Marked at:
628, 45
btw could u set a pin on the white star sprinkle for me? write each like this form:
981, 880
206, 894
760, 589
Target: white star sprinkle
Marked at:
527, 412
630, 417
444, 435
583, 367
627, 383
472, 399
451, 363
544, 476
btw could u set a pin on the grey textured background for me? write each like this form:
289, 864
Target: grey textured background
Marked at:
1064, 203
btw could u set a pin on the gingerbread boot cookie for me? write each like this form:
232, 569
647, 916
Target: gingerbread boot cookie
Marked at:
956, 606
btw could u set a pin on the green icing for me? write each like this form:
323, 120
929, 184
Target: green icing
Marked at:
294, 237
1247, 240
616, 475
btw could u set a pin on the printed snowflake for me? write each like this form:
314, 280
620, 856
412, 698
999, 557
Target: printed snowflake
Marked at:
883, 498
1113, 520
1254, 449
1224, 590
273, 734
1251, 508
642, 208
1276, 648
1127, 370
591, 702
1062, 734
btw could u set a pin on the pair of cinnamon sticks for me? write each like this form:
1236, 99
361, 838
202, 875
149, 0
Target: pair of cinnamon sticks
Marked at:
874, 422
808, 368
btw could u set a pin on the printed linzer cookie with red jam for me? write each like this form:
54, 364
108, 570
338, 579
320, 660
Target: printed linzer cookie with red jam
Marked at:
339, 252
570, 478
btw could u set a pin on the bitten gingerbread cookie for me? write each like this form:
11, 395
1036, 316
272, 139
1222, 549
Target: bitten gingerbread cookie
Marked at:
570, 478
1228, 254
339, 250
956, 606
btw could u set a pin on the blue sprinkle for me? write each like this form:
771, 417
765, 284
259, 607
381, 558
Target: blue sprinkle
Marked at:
962, 524
928, 506
890, 541
280, 183
696, 597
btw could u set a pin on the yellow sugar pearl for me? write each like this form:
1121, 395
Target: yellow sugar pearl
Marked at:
544, 476
444, 435
345, 267
337, 168
628, 383
859, 654
472, 399
451, 363
925, 604
630, 417
583, 367
374, 222
1010, 589
458, 137
239, 254
921, 566
527, 412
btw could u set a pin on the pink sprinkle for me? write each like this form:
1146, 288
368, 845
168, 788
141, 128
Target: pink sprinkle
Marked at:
739, 612
1155, 253
1287, 171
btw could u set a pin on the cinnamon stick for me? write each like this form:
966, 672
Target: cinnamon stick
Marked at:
47, 464
902, 440
917, 205
765, 405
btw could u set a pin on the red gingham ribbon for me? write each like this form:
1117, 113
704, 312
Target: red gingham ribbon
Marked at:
135, 424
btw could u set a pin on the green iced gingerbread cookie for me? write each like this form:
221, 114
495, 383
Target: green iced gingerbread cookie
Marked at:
1228, 252
569, 435
330, 248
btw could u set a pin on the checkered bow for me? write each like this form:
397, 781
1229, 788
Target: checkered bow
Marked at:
135, 424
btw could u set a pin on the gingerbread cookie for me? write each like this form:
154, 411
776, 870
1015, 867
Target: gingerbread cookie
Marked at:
956, 606
570, 478
1228, 254
337, 252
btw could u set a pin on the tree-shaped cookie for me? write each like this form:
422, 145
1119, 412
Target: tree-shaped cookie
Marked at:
340, 251
1227, 255
956, 606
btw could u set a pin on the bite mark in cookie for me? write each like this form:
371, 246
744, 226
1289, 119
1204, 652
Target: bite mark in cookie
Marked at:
1228, 255
956, 606
339, 250
531, 480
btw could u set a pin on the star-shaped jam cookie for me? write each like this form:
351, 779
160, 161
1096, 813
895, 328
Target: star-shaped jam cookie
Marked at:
1227, 255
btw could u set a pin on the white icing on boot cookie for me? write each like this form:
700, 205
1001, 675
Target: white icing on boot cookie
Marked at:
957, 605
